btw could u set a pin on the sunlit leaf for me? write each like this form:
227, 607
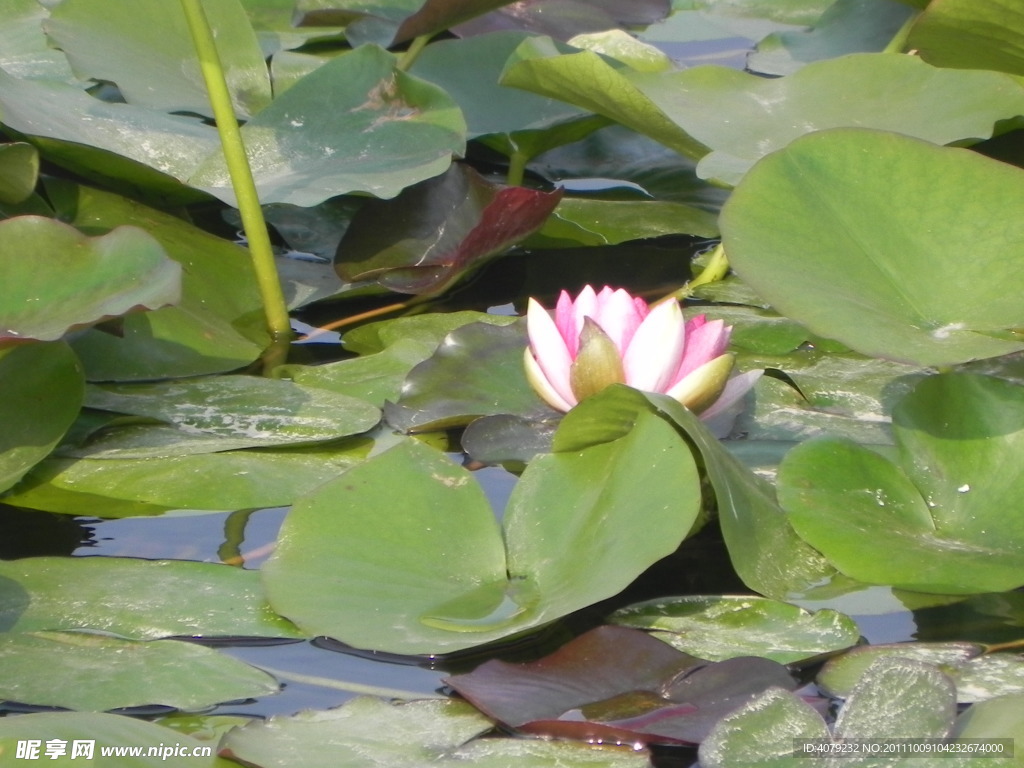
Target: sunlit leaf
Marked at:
138, 599
103, 731
438, 574
724, 627
971, 34
889, 221
56, 279
25, 50
847, 26
42, 391
941, 508
19, 170
136, 43
59, 669
564, 19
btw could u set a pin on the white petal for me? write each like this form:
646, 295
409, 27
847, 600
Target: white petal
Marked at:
729, 404
549, 351
654, 353
541, 385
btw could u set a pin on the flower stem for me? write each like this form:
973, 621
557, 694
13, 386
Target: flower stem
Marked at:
344, 685
516, 168
274, 306
412, 52
899, 40
717, 268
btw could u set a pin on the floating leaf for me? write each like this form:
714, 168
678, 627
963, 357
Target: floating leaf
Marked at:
136, 43
26, 51
226, 480
42, 392
138, 599
477, 371
901, 287
847, 26
371, 733
217, 326
762, 732
971, 34
432, 233
941, 508
605, 222
564, 19
438, 576
58, 669
104, 731
19, 170
57, 279
724, 627
241, 411
616, 684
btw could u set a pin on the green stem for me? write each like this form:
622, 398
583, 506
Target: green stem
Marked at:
274, 306
344, 685
715, 270
899, 40
516, 168
412, 52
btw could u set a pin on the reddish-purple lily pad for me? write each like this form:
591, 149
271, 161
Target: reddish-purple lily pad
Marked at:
617, 684
426, 238
54, 279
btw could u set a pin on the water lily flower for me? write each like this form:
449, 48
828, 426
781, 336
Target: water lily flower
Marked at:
610, 337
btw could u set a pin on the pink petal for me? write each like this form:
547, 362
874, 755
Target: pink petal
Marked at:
549, 350
655, 350
542, 386
704, 342
565, 322
618, 316
721, 415
585, 305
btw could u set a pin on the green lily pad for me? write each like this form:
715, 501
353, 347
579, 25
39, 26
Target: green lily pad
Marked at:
218, 324
428, 329
941, 508
971, 34
240, 411
847, 26
386, 130
762, 732
898, 288
59, 669
102, 730
725, 627
477, 371
608, 222
42, 389
19, 170
26, 52
136, 43
57, 279
137, 599
371, 733
225, 480
441, 577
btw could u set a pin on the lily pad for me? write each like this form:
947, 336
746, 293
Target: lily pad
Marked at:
26, 51
225, 480
137, 599
136, 43
564, 19
19, 171
616, 684
58, 669
971, 34
240, 411
725, 627
102, 730
371, 733
435, 231
941, 508
218, 325
887, 229
42, 389
441, 577
57, 279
